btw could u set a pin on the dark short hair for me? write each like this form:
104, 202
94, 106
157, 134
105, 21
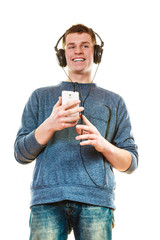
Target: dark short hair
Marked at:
79, 28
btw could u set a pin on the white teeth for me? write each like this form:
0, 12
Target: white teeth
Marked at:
78, 60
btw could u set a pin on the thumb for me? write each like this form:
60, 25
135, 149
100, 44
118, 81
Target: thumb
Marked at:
59, 103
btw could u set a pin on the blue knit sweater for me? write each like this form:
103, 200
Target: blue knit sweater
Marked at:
63, 169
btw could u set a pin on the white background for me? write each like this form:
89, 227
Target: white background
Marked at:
131, 61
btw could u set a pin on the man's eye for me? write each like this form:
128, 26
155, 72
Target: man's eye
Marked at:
71, 47
85, 46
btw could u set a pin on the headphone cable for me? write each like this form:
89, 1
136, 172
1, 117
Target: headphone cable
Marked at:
81, 122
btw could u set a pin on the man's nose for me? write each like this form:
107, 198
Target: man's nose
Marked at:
78, 50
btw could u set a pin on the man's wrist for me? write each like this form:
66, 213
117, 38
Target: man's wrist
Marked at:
44, 132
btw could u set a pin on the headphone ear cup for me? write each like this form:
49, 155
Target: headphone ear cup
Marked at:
98, 51
61, 58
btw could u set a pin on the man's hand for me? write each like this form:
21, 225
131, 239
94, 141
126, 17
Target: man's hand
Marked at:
119, 158
59, 119
61, 116
90, 134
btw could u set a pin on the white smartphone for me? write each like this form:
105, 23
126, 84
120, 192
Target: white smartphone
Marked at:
69, 96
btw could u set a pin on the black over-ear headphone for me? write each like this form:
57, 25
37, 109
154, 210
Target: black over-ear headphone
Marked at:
60, 53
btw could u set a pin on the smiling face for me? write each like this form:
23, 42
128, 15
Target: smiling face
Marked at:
79, 50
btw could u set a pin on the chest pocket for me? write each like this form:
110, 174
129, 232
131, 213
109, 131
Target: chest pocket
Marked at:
99, 116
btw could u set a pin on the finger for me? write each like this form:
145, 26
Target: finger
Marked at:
83, 127
69, 124
80, 131
86, 121
71, 104
60, 100
58, 103
75, 110
86, 128
86, 136
69, 119
87, 142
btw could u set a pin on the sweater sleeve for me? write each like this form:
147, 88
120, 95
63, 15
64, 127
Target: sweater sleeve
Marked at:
124, 138
26, 147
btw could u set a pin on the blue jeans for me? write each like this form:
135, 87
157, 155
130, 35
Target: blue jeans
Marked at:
55, 221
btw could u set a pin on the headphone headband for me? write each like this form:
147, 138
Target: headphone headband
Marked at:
56, 47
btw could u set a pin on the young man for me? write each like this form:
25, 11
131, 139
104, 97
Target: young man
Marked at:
76, 146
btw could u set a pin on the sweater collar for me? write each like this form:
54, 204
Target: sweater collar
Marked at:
82, 85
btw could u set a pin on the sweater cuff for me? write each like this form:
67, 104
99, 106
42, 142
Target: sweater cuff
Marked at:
133, 165
33, 148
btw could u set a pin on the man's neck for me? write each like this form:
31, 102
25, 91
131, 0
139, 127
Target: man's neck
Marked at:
80, 78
